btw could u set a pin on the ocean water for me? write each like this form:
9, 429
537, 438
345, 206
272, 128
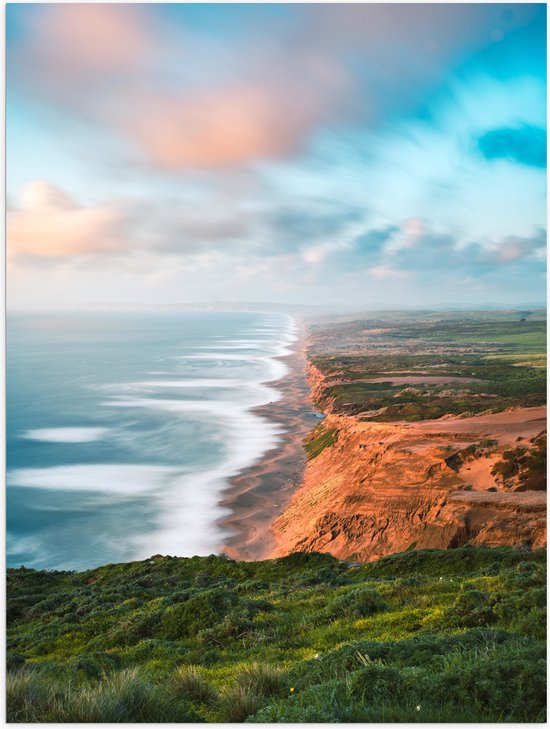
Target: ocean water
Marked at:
123, 430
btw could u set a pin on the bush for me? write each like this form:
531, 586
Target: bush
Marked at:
201, 611
357, 603
422, 652
314, 705
376, 682
472, 608
94, 665
14, 661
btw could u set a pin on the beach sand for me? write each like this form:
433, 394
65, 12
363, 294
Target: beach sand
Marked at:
258, 495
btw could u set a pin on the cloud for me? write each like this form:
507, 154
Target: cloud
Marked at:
199, 100
50, 224
525, 145
313, 224
516, 248
226, 126
387, 272
436, 252
80, 42
177, 227
415, 250
124, 68
374, 240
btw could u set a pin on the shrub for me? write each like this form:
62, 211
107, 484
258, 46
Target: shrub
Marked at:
232, 627
320, 439
14, 661
357, 603
94, 665
203, 610
317, 704
376, 682
472, 608
422, 653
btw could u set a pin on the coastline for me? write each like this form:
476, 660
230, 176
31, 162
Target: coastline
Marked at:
258, 495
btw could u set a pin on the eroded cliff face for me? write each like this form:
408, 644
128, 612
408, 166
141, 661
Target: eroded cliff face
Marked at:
383, 488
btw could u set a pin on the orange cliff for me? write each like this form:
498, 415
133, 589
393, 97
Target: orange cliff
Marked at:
383, 488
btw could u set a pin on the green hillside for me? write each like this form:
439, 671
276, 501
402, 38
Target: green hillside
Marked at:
453, 635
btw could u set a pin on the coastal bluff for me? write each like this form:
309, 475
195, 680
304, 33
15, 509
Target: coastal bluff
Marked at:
384, 475
383, 488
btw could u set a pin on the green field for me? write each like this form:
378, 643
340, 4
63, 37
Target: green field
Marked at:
484, 351
535, 340
423, 636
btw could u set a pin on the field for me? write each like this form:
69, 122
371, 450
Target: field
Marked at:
443, 364
457, 635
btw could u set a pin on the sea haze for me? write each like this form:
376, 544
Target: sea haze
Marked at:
123, 430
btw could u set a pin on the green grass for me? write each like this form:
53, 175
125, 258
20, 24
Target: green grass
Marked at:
526, 358
484, 351
320, 439
306, 638
535, 339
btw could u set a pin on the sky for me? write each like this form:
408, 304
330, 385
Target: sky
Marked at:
371, 155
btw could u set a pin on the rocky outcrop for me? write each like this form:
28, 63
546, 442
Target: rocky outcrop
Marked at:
382, 488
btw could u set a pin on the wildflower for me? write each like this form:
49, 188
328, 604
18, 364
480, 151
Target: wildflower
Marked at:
418, 707
292, 690
317, 656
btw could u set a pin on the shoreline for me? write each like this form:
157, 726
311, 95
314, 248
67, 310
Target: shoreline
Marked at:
258, 495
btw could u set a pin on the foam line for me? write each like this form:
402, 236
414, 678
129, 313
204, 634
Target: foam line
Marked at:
65, 435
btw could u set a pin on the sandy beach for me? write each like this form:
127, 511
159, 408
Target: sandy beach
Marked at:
258, 495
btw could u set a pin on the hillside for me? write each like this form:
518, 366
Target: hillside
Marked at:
420, 636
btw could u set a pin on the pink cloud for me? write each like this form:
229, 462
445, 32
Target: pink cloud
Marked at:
49, 224
182, 106
112, 65
75, 40
227, 126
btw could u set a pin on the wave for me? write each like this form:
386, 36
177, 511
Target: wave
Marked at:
65, 435
183, 498
123, 479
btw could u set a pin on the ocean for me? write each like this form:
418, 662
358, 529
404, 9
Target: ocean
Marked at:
123, 430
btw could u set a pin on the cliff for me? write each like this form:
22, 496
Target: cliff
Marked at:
380, 488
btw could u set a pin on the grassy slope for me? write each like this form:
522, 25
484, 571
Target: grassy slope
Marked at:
421, 636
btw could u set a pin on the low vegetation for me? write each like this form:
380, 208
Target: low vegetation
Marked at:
528, 465
484, 362
319, 439
425, 636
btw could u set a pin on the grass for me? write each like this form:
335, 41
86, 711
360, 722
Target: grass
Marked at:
320, 439
305, 638
485, 352
535, 339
